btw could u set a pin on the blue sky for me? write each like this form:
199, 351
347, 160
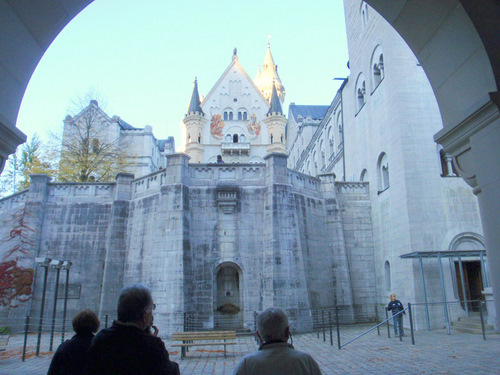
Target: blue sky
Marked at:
142, 56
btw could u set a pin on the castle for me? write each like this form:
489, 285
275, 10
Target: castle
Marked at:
307, 211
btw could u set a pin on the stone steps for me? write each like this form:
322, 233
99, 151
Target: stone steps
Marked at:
472, 325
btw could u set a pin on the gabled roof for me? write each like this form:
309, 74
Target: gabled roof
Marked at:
316, 112
125, 125
163, 142
226, 72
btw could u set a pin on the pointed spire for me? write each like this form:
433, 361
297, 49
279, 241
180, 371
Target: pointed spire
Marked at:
194, 104
268, 76
275, 107
235, 53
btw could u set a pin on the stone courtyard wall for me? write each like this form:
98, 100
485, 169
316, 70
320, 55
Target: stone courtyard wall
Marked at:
282, 232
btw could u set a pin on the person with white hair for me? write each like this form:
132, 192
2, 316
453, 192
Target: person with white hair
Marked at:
275, 356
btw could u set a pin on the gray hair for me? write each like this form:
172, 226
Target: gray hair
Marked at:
272, 324
133, 302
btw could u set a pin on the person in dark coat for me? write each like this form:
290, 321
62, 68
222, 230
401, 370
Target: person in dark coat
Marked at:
71, 356
128, 347
396, 306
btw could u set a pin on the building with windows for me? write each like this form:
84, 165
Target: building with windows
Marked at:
304, 213
379, 128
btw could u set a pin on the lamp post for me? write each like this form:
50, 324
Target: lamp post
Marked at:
44, 263
65, 266
55, 264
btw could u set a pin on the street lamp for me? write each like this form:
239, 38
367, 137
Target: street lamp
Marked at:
44, 263
55, 264
65, 266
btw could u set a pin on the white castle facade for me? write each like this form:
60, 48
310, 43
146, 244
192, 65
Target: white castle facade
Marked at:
304, 211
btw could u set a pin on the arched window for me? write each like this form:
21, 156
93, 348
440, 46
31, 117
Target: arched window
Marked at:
95, 146
365, 17
245, 116
360, 92
322, 153
225, 116
230, 115
340, 133
235, 138
228, 138
364, 175
383, 173
281, 138
377, 65
388, 283
240, 116
331, 148
199, 137
189, 138
242, 137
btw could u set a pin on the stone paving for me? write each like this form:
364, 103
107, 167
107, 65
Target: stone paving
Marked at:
434, 353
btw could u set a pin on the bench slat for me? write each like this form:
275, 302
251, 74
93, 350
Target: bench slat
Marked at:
206, 343
183, 338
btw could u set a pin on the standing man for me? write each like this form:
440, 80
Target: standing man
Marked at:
275, 356
396, 306
128, 347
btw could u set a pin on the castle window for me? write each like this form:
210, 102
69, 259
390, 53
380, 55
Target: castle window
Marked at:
225, 116
365, 17
240, 116
95, 145
377, 65
242, 137
387, 269
271, 138
228, 137
364, 175
230, 115
245, 116
360, 92
235, 138
383, 173
199, 137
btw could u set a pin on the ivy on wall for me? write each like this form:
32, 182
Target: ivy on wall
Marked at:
16, 281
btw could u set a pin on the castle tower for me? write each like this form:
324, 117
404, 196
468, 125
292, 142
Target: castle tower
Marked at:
276, 124
194, 122
268, 76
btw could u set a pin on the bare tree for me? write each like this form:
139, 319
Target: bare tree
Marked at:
91, 149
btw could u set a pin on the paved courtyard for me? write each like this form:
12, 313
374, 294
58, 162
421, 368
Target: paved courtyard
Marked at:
434, 353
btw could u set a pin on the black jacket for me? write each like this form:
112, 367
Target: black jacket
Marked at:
395, 306
121, 350
71, 356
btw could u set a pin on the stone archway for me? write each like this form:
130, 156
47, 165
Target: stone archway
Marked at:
228, 297
455, 41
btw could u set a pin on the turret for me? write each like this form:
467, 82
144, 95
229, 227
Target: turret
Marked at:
276, 124
194, 122
267, 77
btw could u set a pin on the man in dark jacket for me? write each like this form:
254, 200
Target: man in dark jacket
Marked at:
127, 347
396, 306
71, 356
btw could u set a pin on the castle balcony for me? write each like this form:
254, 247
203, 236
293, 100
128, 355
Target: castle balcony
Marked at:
239, 148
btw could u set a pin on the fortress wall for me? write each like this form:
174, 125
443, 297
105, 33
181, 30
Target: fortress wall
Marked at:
358, 236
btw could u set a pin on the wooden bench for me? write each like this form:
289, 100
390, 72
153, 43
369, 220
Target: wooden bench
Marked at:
4, 340
189, 339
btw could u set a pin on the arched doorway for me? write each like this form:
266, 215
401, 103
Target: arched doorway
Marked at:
471, 271
228, 301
